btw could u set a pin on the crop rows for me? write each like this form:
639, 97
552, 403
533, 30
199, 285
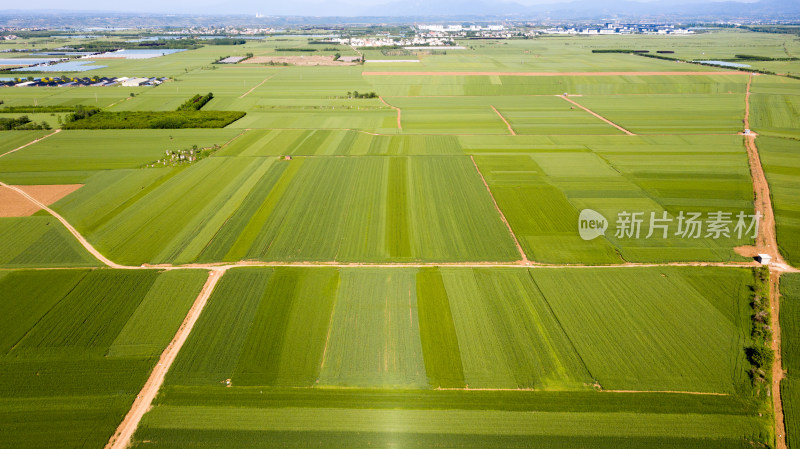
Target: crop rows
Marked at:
77, 346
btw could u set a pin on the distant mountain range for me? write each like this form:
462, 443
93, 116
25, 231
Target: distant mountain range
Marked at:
586, 9
310, 12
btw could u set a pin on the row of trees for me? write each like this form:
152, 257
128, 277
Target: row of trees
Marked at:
156, 120
356, 94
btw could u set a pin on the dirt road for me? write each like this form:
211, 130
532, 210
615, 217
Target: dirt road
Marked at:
399, 113
256, 86
85, 243
597, 115
524, 259
122, 437
510, 129
777, 366
31, 143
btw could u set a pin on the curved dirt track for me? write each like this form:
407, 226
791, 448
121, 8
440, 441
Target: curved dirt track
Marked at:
85, 243
399, 113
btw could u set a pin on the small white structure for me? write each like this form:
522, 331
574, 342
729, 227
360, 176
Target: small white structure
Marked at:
134, 82
764, 259
747, 131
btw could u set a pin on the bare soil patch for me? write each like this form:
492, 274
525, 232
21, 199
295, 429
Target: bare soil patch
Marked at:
12, 204
296, 60
746, 251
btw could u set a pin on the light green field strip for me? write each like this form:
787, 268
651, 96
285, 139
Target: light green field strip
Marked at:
258, 208
155, 321
775, 106
224, 210
542, 184
508, 336
374, 337
481, 422
212, 350
282, 142
77, 150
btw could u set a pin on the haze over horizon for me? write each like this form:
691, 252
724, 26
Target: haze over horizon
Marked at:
372, 7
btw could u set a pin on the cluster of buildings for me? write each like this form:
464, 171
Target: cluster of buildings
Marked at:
416, 41
77, 82
615, 28
460, 28
223, 31
442, 31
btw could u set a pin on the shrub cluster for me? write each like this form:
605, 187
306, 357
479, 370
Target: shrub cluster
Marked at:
21, 123
196, 102
356, 94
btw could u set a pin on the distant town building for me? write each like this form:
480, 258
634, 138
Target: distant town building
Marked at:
135, 82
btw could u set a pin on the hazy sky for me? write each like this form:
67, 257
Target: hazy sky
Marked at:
268, 7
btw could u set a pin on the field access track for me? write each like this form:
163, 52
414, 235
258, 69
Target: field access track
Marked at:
729, 72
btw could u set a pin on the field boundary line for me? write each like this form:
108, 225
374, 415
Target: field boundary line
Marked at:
85, 243
31, 142
510, 129
524, 260
767, 241
728, 72
124, 433
777, 364
257, 85
697, 393
399, 114
597, 115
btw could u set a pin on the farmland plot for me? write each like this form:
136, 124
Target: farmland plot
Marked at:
40, 241
542, 186
70, 157
774, 106
790, 351
387, 331
781, 163
77, 347
374, 339
659, 332
671, 114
